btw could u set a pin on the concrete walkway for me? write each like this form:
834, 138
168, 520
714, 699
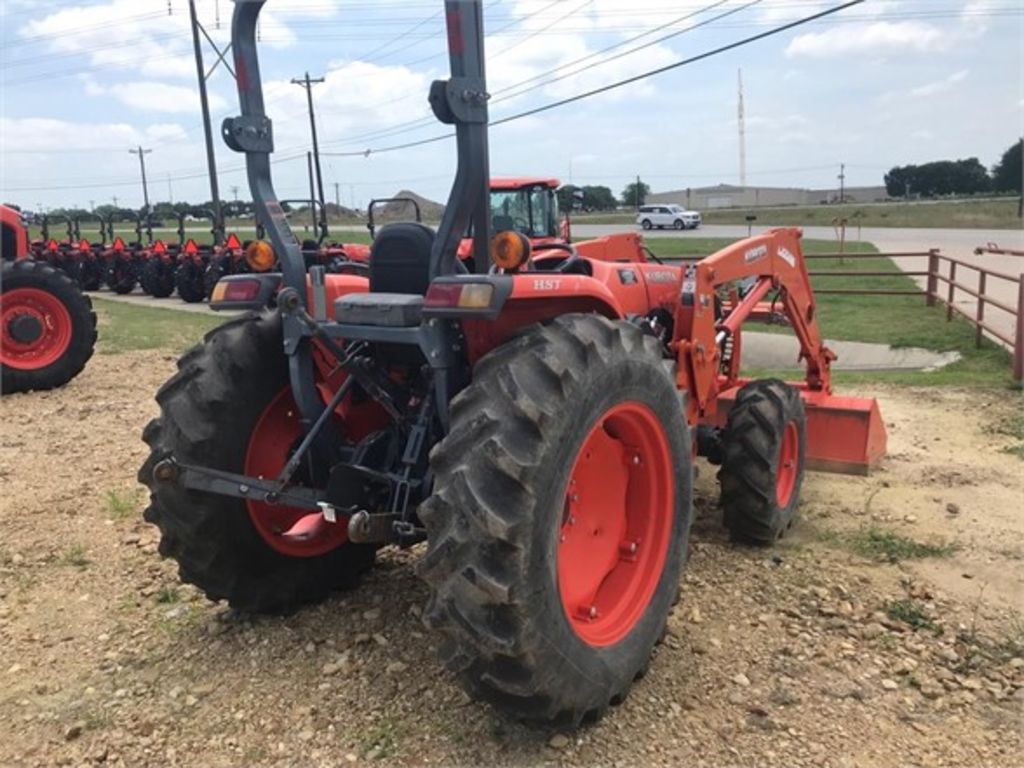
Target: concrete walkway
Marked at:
780, 351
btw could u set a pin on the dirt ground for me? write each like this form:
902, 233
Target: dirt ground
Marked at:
824, 651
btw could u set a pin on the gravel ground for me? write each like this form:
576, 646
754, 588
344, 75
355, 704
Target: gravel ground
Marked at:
814, 653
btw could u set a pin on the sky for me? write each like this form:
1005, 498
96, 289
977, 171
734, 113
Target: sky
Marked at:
887, 82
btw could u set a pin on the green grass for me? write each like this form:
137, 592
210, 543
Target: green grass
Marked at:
122, 505
952, 214
885, 545
1012, 427
168, 595
127, 327
698, 247
75, 556
911, 612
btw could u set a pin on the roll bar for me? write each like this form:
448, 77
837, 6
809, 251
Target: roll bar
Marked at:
372, 225
460, 101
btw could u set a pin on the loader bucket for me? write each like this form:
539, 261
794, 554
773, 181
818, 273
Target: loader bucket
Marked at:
844, 434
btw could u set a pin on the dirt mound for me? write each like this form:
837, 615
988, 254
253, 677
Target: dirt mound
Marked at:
405, 211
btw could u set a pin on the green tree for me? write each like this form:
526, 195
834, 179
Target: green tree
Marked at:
566, 201
1006, 176
635, 194
599, 198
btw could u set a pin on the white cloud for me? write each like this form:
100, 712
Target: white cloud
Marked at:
940, 86
877, 38
41, 134
161, 97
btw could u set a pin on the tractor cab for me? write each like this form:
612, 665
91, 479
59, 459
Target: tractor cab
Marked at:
527, 205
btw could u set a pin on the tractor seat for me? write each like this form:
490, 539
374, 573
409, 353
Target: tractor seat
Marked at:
399, 277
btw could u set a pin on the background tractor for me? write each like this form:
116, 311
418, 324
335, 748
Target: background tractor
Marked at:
47, 326
531, 411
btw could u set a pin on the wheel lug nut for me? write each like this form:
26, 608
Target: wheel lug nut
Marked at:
592, 613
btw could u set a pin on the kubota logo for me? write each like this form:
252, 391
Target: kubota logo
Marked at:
755, 253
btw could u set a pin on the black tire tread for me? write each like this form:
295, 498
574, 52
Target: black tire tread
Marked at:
750, 445
479, 517
211, 537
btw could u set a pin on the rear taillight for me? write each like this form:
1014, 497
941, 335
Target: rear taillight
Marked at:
236, 290
465, 295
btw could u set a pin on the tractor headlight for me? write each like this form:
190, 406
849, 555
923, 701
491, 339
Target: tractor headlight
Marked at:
259, 256
510, 250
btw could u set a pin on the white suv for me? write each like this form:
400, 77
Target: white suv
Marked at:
675, 216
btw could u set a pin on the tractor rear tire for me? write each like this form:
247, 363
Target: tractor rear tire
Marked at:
47, 302
157, 278
763, 446
188, 278
90, 275
208, 411
499, 562
121, 275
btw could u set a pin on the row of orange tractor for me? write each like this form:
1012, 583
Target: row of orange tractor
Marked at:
162, 268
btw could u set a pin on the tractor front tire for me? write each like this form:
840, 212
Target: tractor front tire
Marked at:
224, 390
559, 519
49, 328
763, 446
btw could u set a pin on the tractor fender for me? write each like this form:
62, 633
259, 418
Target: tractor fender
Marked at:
538, 298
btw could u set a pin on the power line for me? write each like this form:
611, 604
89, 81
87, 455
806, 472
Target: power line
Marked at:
618, 84
412, 125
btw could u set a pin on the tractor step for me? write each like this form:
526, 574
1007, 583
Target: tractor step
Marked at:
845, 435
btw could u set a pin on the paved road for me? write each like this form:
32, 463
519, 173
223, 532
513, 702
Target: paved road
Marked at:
958, 243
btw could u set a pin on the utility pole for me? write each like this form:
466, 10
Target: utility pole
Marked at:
308, 84
142, 166
337, 196
115, 201
234, 192
842, 182
170, 190
742, 122
204, 104
312, 194
92, 206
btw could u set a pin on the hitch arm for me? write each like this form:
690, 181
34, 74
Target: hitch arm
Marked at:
239, 486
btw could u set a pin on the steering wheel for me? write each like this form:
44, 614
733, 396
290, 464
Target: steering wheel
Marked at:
574, 255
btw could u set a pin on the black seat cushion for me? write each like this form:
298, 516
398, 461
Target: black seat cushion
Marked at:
391, 310
400, 258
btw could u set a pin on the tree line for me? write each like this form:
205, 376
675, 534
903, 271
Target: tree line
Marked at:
958, 177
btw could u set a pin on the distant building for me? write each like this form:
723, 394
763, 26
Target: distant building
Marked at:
730, 196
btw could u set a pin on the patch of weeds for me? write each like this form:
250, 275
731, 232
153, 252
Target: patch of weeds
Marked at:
886, 545
1012, 427
122, 505
1010, 644
379, 742
911, 612
75, 556
168, 595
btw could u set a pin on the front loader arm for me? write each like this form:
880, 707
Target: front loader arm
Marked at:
775, 260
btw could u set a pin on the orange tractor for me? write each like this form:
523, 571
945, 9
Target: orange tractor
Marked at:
47, 326
532, 412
